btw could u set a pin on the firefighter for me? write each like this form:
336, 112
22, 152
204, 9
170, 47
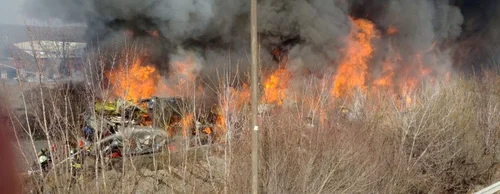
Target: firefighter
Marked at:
85, 146
116, 152
44, 159
75, 159
113, 149
88, 133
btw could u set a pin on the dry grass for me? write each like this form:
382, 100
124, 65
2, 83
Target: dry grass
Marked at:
444, 142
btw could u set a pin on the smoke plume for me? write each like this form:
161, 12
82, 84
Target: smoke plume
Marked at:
438, 33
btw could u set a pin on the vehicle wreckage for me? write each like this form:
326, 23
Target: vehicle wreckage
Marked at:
147, 126
113, 128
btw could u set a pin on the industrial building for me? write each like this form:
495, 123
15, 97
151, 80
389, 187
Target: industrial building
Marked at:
31, 53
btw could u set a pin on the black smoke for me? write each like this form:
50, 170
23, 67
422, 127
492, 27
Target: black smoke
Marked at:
460, 32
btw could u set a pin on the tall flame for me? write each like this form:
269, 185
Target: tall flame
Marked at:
133, 81
353, 68
275, 86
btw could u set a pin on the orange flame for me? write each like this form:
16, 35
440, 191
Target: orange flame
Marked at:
387, 75
352, 72
133, 82
186, 123
391, 30
181, 78
207, 130
220, 124
353, 68
238, 97
405, 91
275, 86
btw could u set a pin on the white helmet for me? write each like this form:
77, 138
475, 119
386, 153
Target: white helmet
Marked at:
42, 159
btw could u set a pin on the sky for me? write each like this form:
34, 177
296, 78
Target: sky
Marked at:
11, 11
14, 12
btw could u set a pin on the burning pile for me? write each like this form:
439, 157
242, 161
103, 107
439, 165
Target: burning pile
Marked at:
355, 71
133, 81
344, 49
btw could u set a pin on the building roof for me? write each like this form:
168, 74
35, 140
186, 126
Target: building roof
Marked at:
13, 34
52, 49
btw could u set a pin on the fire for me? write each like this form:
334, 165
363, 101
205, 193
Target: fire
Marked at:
154, 33
408, 100
133, 81
397, 75
207, 130
237, 98
353, 68
387, 76
186, 123
391, 30
411, 81
275, 86
276, 53
280, 56
220, 124
181, 78
406, 91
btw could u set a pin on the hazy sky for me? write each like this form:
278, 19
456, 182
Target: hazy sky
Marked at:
11, 11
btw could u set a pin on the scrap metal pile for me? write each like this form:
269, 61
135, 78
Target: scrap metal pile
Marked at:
146, 126
114, 128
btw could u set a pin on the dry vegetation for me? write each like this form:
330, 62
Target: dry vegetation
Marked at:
443, 142
446, 142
